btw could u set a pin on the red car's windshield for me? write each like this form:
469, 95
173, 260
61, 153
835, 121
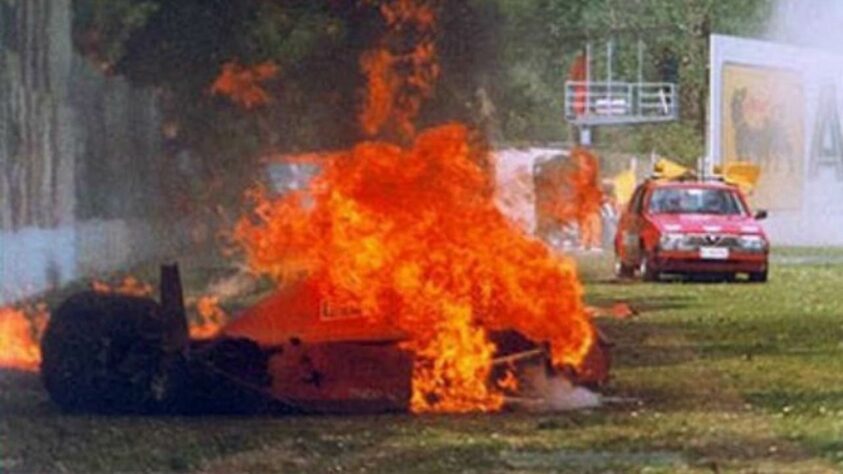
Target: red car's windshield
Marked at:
685, 200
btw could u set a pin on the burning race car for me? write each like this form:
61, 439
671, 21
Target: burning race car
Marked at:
693, 227
292, 352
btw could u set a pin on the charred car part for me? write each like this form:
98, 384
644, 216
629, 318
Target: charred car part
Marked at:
110, 353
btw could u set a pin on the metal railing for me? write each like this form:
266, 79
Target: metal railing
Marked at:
618, 103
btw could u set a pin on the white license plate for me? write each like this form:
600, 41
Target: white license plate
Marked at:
714, 253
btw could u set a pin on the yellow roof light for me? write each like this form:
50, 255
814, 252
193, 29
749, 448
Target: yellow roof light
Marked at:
668, 169
743, 174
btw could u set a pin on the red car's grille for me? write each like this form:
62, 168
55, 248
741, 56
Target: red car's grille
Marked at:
714, 240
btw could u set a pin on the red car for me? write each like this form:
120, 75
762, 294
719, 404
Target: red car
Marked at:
690, 227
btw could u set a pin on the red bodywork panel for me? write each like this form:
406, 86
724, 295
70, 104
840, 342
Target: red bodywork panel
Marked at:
343, 377
327, 360
299, 311
690, 261
324, 359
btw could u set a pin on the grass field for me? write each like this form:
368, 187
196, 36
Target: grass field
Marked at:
715, 378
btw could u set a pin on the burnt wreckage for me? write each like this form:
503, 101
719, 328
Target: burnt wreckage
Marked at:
112, 353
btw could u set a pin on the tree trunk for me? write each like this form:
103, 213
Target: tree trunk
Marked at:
36, 156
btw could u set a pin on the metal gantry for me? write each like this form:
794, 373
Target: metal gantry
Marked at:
610, 101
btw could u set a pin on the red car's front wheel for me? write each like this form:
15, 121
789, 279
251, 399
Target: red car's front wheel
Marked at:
758, 277
646, 269
623, 270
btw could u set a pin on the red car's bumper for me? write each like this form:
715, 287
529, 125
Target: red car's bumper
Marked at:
691, 262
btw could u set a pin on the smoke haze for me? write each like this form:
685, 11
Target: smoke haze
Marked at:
808, 23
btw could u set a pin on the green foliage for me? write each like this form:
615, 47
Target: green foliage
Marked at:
468, 46
678, 141
503, 65
275, 33
543, 37
101, 27
532, 106
179, 48
535, 47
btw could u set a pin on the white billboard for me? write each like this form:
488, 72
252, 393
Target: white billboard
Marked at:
779, 107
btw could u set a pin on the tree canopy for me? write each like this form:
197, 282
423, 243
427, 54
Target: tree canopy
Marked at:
503, 64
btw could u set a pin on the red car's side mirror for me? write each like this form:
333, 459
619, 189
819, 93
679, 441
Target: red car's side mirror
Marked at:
760, 215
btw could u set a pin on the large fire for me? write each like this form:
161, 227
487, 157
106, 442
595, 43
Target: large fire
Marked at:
400, 237
412, 238
401, 70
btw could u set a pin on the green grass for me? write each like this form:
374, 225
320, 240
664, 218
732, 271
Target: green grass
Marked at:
714, 378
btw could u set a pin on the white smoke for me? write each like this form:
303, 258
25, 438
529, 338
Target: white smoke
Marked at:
808, 23
813, 26
543, 393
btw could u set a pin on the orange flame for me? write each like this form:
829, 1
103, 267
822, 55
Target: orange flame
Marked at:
400, 80
242, 84
20, 331
211, 318
412, 238
570, 193
509, 382
129, 286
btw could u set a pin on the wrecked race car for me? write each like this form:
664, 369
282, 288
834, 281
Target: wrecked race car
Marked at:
108, 353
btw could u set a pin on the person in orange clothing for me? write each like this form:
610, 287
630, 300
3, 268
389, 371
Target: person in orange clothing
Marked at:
588, 197
577, 73
591, 231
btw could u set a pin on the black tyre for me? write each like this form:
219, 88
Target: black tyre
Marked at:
623, 270
758, 277
111, 354
647, 270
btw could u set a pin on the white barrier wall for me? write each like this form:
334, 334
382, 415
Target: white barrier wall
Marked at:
780, 107
33, 260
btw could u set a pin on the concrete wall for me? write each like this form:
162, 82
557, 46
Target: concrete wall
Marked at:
786, 124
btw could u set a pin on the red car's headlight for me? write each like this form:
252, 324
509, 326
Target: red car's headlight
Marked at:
674, 241
753, 243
